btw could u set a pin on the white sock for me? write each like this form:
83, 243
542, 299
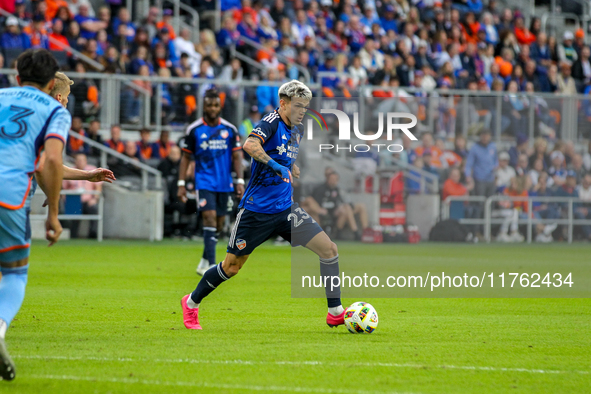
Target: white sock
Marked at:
337, 310
3, 327
191, 304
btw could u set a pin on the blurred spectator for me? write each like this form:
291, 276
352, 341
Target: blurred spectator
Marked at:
460, 147
522, 167
581, 70
566, 52
89, 25
125, 168
540, 50
452, 186
166, 23
93, 134
163, 146
427, 145
145, 149
512, 211
115, 141
268, 96
85, 94
76, 145
576, 166
254, 117
480, 165
566, 83
13, 38
543, 209
504, 172
123, 19
339, 214
587, 158
520, 148
37, 33
583, 211
57, 30
557, 172
540, 147
173, 207
183, 44
89, 201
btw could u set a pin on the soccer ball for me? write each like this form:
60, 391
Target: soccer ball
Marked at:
361, 318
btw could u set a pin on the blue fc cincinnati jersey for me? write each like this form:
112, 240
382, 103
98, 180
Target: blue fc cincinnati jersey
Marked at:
28, 117
266, 191
212, 147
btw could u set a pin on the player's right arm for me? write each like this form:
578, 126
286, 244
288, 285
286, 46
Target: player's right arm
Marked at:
52, 175
52, 172
254, 147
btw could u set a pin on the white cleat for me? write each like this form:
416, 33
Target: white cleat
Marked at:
516, 237
202, 267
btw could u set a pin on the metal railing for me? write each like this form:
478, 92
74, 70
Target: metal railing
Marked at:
106, 151
488, 220
81, 217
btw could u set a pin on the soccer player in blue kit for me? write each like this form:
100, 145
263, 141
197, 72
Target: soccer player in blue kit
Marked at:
267, 208
215, 144
31, 121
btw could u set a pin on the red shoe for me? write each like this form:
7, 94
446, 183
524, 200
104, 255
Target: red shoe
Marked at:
334, 321
190, 315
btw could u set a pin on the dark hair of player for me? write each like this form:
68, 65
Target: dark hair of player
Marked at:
212, 94
37, 66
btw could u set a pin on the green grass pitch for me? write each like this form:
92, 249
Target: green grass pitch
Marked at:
107, 319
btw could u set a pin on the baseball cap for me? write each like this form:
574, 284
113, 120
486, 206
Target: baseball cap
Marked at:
557, 154
19, 2
571, 173
38, 18
167, 12
11, 21
568, 35
580, 33
389, 8
503, 156
164, 30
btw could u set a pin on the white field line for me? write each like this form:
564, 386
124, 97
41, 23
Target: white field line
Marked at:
301, 363
218, 386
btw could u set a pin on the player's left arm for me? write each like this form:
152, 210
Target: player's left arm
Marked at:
96, 175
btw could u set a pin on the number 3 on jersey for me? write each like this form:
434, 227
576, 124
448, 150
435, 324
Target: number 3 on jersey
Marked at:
19, 119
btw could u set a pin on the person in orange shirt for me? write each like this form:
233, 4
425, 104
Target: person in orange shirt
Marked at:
452, 186
522, 34
427, 144
52, 7
166, 21
512, 211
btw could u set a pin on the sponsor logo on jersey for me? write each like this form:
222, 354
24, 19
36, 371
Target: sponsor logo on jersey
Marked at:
240, 244
259, 131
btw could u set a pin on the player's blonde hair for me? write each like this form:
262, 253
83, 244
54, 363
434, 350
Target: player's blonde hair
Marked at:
295, 88
61, 81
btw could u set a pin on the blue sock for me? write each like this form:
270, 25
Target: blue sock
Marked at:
210, 239
330, 267
212, 278
12, 291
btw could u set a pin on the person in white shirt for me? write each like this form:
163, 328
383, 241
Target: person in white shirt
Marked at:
183, 44
357, 72
584, 211
505, 172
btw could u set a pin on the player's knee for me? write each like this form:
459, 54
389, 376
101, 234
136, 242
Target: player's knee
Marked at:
329, 251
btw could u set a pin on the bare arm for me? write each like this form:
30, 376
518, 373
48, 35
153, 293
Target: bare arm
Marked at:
254, 148
237, 162
185, 160
51, 181
96, 175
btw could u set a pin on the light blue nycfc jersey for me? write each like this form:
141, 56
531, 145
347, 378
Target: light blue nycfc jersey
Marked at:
28, 117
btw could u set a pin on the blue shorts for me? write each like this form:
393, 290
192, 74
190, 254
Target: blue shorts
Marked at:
252, 229
15, 233
213, 201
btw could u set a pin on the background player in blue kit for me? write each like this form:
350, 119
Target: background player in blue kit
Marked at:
267, 208
31, 121
214, 143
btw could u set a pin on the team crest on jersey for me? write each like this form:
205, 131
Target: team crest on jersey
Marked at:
202, 202
240, 244
224, 134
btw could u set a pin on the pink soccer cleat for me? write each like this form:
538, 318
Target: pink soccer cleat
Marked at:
190, 316
334, 321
